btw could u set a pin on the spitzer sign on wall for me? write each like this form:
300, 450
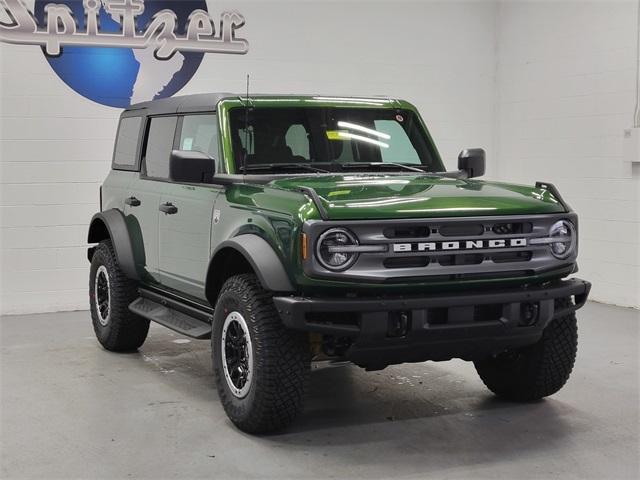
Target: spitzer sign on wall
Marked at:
119, 52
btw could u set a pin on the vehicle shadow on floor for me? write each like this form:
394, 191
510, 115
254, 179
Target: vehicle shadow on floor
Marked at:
434, 422
350, 395
430, 405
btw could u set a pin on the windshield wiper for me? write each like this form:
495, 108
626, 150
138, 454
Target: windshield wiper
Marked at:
455, 174
381, 165
282, 166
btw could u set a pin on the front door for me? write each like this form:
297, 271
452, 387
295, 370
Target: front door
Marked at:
185, 234
184, 237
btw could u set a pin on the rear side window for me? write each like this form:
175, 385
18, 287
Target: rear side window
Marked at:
200, 132
158, 146
126, 148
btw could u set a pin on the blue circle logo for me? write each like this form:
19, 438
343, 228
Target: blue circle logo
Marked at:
120, 76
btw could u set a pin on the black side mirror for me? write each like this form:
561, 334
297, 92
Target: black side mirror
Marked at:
191, 166
472, 161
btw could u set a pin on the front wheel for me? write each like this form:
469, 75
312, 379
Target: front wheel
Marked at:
537, 370
261, 368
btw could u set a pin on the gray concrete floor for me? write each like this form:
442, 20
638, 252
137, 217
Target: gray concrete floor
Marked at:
73, 410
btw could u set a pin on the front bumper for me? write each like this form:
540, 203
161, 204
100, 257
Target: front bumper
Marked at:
436, 327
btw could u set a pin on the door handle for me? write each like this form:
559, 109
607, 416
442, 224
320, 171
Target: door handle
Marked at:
168, 208
132, 201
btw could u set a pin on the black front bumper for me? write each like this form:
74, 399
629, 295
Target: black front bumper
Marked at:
467, 325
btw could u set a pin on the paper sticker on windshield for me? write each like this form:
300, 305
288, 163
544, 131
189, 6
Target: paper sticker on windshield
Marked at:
399, 118
336, 135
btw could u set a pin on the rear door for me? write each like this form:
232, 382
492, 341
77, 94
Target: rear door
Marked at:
144, 200
185, 236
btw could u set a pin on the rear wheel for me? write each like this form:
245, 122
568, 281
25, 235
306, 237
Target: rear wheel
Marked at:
261, 368
537, 370
110, 293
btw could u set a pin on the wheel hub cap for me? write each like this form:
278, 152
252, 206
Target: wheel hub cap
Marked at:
237, 356
102, 295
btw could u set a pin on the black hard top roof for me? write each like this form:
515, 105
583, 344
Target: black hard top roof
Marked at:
184, 103
203, 102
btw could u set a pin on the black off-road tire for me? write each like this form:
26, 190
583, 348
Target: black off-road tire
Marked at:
537, 370
281, 359
123, 330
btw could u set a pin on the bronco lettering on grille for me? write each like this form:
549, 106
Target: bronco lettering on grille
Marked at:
459, 245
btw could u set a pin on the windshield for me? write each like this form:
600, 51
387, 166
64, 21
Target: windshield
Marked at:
322, 139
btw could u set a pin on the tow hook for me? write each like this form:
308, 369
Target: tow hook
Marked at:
398, 324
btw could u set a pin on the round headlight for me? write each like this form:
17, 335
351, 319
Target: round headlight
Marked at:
332, 249
565, 233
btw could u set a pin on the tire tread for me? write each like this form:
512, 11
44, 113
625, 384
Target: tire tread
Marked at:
547, 364
281, 362
125, 331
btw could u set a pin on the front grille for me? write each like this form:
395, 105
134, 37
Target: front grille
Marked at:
461, 259
510, 228
458, 233
407, 232
461, 230
445, 249
406, 262
507, 257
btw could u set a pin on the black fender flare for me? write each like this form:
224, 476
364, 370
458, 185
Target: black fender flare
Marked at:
262, 258
114, 223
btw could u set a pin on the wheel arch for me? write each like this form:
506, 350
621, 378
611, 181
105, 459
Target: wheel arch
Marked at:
111, 225
246, 253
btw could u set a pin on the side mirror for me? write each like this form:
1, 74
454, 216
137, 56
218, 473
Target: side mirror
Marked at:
191, 166
472, 161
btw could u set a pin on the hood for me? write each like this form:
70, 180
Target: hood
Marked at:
383, 196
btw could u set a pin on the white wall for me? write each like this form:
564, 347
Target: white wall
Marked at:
56, 146
547, 88
566, 90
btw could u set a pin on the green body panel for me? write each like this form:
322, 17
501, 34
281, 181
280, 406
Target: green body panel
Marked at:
184, 239
116, 189
143, 220
359, 197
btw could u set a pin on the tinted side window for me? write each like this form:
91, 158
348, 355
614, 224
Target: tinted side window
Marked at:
200, 132
125, 150
159, 146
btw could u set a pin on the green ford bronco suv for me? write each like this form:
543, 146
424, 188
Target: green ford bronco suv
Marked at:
298, 229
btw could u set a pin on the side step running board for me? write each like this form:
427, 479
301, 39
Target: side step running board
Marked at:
177, 316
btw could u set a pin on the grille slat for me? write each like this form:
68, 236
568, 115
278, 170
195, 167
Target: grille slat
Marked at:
461, 230
407, 232
461, 259
406, 262
507, 257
